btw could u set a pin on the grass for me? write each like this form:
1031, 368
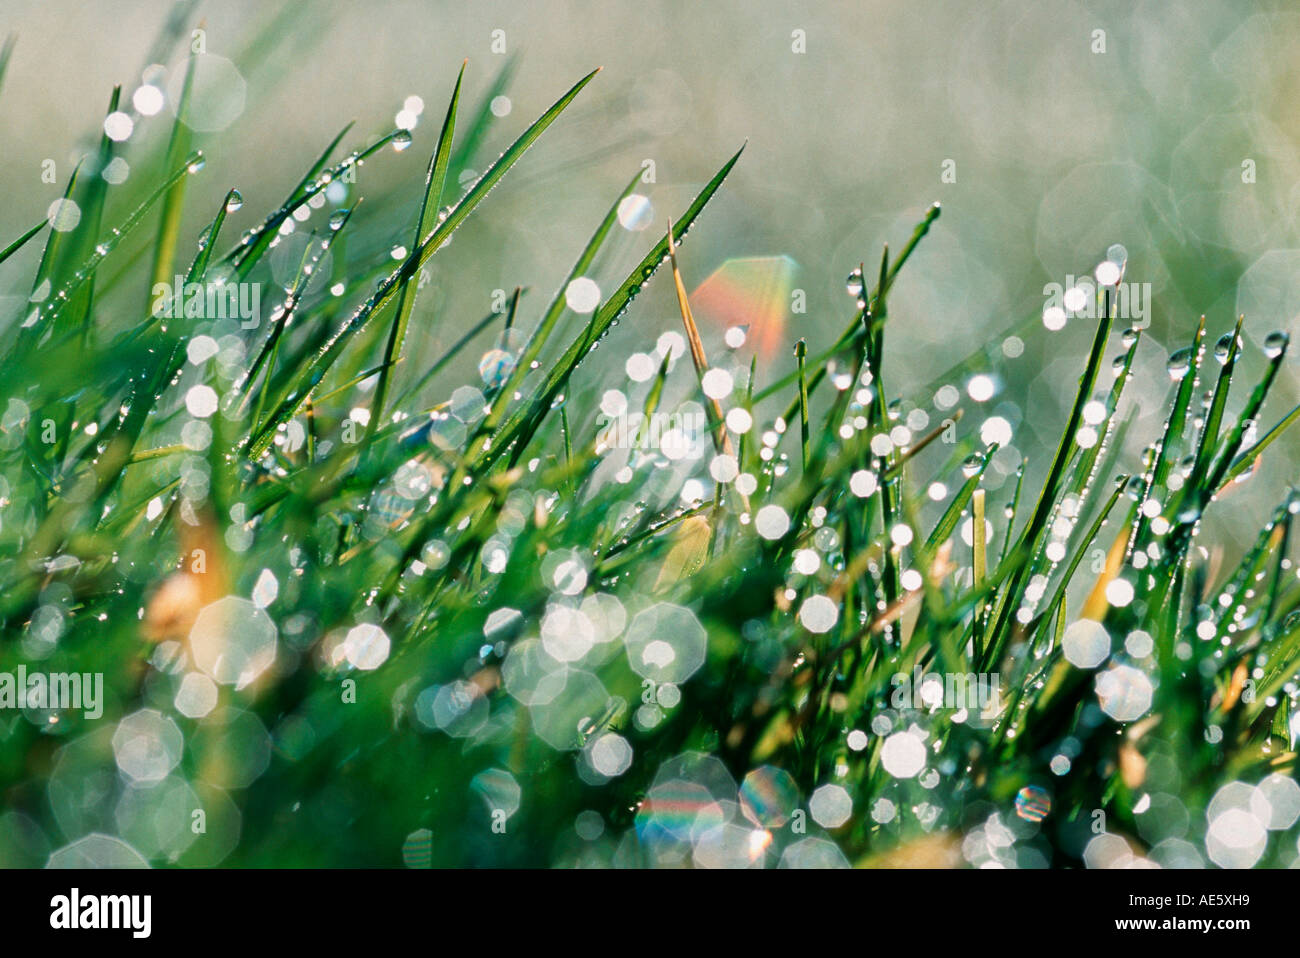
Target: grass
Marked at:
491, 626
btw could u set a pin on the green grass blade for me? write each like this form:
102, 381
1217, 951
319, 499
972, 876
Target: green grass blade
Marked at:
388, 289
435, 181
21, 241
541, 333
525, 419
169, 223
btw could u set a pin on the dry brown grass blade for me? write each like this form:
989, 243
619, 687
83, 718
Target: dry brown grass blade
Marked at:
1095, 606
721, 440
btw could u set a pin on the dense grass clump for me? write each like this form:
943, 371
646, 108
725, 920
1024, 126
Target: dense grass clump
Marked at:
354, 615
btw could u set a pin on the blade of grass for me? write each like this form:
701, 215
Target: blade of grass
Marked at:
523, 422
316, 369
435, 181
169, 224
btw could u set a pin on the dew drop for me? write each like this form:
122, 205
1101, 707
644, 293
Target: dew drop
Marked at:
1179, 363
1223, 348
234, 201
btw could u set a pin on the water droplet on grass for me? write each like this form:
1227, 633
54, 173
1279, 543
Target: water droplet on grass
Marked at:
1223, 348
1180, 361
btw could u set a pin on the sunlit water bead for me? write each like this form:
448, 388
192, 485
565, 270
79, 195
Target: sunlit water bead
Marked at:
1055, 318
635, 212
903, 754
582, 295
677, 809
768, 796
717, 383
1139, 644
567, 634
1033, 803
147, 745
446, 432
640, 367
972, 464
366, 647
495, 367
841, 376
690, 793
724, 468
458, 709
118, 126
97, 850
819, 613
156, 818
1179, 363
1086, 643
234, 201
201, 400
63, 215
731, 845
1275, 343
233, 641
530, 674
196, 696
981, 388
609, 755
1282, 793
499, 790
1119, 592
148, 99
1237, 819
771, 522
854, 285
1225, 347
830, 806
665, 643
863, 483
413, 480
1125, 693
1108, 850
1108, 273
567, 720
116, 171
995, 430
813, 853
